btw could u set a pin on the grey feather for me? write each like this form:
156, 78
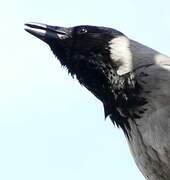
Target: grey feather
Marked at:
150, 135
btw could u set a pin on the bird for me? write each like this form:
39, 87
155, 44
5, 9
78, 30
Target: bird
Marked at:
131, 80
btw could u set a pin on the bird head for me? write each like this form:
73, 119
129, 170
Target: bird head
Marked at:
98, 57
75, 43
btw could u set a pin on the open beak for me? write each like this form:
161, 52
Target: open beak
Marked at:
46, 32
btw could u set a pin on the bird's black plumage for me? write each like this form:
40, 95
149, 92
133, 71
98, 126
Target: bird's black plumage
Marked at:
85, 52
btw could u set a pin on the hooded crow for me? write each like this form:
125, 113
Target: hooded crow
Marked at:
130, 79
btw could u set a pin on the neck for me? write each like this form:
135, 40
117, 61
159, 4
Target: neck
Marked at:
124, 101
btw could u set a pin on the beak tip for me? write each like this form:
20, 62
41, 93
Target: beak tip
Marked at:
36, 29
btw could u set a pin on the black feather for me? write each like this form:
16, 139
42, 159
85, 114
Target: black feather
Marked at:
85, 52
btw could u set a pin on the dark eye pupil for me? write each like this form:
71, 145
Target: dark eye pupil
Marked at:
83, 30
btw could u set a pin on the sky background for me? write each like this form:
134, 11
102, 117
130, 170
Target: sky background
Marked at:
51, 128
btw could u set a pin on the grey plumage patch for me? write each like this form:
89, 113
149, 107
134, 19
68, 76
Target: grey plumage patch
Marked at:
120, 54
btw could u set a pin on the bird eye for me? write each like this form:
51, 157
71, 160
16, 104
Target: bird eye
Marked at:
82, 31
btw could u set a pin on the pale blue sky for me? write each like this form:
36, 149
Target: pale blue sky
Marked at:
51, 128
